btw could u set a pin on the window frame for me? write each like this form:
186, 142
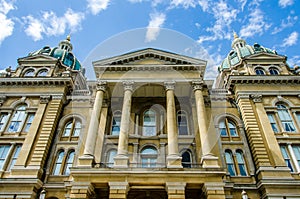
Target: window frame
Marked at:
68, 162
259, 71
230, 164
227, 129
272, 70
190, 162
287, 157
73, 128
22, 110
110, 157
179, 114
284, 111
116, 115
149, 157
153, 126
59, 165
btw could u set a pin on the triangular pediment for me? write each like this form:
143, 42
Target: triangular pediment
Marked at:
149, 56
265, 56
37, 58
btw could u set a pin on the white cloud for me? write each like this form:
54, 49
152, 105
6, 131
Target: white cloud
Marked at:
34, 29
224, 16
291, 39
96, 6
184, 3
155, 23
204, 4
256, 24
285, 23
285, 3
6, 24
243, 3
52, 25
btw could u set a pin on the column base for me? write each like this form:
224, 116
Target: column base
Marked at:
86, 161
209, 161
121, 161
174, 161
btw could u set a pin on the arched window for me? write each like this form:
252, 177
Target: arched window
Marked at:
273, 71
228, 128
69, 163
285, 118
186, 160
17, 119
149, 157
42, 73
58, 163
230, 163
110, 157
72, 128
182, 122
29, 73
259, 71
116, 121
149, 123
14, 157
241, 163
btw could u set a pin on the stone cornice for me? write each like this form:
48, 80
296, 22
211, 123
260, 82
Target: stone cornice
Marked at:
36, 81
261, 79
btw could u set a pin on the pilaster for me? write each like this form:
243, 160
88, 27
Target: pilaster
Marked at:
214, 190
82, 191
118, 190
176, 190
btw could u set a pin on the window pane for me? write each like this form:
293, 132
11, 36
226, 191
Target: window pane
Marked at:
17, 119
232, 129
222, 128
58, 163
29, 73
149, 157
3, 154
241, 163
14, 157
273, 71
28, 122
77, 128
186, 160
286, 157
67, 130
259, 71
273, 122
69, 162
3, 120
230, 163
285, 118
42, 73
116, 125
182, 123
110, 157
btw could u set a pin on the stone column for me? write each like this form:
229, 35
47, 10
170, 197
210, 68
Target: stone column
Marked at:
121, 159
208, 159
118, 190
176, 190
88, 155
268, 134
173, 158
214, 190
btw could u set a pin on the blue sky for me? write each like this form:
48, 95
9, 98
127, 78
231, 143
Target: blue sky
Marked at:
103, 28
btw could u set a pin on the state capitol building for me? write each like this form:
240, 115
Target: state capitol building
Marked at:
150, 126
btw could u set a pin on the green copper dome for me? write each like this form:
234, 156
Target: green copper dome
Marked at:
62, 52
240, 50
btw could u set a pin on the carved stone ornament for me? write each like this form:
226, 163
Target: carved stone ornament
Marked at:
197, 85
128, 85
44, 99
2, 99
170, 85
256, 98
101, 85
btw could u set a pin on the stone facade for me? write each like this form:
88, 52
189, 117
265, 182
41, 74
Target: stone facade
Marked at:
150, 126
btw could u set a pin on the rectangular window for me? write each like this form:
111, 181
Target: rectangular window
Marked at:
28, 122
3, 120
3, 154
14, 157
273, 122
116, 125
286, 157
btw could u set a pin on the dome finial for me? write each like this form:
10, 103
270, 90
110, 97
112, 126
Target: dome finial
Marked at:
235, 35
69, 37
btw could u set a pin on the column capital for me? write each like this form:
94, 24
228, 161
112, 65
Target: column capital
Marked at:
256, 98
44, 99
128, 85
197, 85
170, 85
101, 85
